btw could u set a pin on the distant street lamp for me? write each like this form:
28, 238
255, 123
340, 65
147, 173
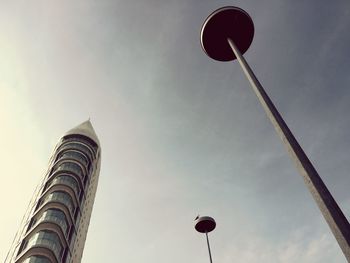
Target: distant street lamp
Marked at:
226, 34
205, 224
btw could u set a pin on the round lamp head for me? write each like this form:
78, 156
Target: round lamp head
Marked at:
204, 224
226, 22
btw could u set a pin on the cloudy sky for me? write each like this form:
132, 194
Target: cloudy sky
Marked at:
181, 134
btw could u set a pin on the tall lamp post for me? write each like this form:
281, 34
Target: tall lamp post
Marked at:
205, 224
226, 34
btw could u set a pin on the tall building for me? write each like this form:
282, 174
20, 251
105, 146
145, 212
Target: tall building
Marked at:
56, 224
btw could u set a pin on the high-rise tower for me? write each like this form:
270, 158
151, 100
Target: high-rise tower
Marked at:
55, 228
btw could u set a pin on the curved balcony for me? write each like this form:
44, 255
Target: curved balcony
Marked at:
74, 155
61, 197
67, 180
37, 259
46, 239
81, 139
69, 167
38, 227
37, 253
50, 187
80, 181
72, 145
54, 216
71, 221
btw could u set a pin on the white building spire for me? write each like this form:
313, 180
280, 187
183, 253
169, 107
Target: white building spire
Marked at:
86, 129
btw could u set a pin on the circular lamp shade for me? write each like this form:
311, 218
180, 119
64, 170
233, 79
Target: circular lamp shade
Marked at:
226, 22
204, 224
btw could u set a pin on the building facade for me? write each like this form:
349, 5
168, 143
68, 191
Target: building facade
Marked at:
56, 224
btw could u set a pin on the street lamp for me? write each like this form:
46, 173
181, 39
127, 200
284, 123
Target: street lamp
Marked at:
205, 224
226, 34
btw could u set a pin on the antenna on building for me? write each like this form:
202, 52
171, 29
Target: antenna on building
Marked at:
205, 224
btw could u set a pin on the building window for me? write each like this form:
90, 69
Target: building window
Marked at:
67, 180
77, 218
70, 167
61, 197
72, 239
77, 146
46, 239
75, 155
82, 139
55, 216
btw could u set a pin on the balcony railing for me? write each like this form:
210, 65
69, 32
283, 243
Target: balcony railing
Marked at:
55, 216
63, 198
48, 240
75, 155
77, 146
67, 180
70, 167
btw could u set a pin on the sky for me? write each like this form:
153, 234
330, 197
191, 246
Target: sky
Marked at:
181, 134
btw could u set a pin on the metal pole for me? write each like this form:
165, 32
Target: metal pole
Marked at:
325, 201
206, 234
